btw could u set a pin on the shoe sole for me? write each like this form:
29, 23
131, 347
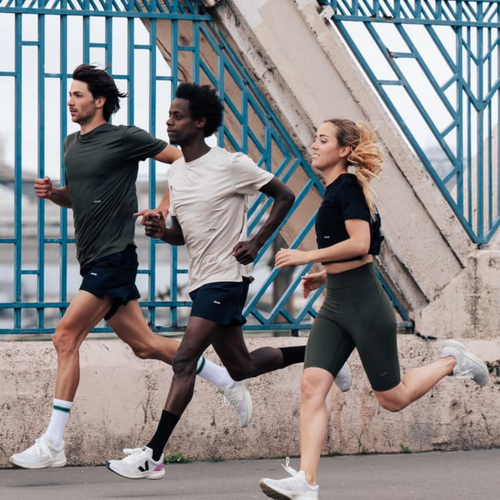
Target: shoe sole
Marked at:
44, 466
272, 493
248, 398
140, 475
276, 495
458, 345
349, 376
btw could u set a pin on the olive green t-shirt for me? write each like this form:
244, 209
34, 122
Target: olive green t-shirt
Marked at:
101, 172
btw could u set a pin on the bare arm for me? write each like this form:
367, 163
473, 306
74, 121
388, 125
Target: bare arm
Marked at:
169, 154
156, 228
357, 245
59, 196
163, 208
246, 251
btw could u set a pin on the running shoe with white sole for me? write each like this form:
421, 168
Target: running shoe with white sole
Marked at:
238, 395
40, 456
290, 488
343, 380
468, 367
138, 464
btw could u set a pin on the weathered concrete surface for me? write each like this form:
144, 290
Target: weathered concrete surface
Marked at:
121, 397
423, 476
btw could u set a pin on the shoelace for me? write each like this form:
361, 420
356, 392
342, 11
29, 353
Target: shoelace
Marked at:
130, 451
231, 399
39, 446
293, 483
289, 469
135, 454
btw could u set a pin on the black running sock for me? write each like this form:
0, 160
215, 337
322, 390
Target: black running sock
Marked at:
165, 428
292, 355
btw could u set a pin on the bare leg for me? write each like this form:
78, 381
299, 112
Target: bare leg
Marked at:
415, 384
84, 312
316, 383
240, 363
196, 339
129, 324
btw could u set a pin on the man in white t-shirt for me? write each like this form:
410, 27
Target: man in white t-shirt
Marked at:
208, 203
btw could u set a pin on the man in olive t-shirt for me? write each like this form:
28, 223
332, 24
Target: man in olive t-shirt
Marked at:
101, 172
101, 163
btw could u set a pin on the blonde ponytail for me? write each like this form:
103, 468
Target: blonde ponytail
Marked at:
366, 155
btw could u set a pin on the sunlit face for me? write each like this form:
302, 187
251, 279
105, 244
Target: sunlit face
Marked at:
82, 105
326, 151
181, 127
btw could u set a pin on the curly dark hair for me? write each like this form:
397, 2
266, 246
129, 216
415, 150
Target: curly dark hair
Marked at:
203, 103
100, 84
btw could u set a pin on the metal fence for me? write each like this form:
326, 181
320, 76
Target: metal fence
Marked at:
436, 66
150, 47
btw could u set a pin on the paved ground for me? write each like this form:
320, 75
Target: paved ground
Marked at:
469, 475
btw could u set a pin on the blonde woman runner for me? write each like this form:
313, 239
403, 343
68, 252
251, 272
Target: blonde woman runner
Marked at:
357, 313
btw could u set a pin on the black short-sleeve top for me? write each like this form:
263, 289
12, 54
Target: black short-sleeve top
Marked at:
344, 200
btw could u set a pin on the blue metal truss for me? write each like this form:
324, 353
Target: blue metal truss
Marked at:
255, 129
441, 59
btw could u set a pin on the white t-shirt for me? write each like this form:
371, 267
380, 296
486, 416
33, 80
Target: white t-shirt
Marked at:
208, 198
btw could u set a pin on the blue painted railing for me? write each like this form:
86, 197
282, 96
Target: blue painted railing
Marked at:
436, 66
113, 32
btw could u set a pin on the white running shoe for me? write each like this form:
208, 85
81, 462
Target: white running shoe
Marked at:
238, 395
291, 488
344, 378
40, 456
138, 464
468, 367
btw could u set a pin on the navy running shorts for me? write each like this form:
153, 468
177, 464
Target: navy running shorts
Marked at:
114, 276
221, 302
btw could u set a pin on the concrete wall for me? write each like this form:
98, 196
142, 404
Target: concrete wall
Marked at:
121, 397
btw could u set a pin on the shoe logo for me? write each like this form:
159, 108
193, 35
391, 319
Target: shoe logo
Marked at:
216, 302
93, 274
145, 468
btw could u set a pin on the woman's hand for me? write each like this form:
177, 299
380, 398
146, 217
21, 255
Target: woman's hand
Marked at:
291, 258
312, 282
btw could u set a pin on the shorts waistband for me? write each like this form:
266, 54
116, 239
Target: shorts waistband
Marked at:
352, 277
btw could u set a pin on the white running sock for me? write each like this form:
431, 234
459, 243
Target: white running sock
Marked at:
216, 374
60, 415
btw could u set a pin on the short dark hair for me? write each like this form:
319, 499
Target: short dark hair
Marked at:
203, 103
100, 84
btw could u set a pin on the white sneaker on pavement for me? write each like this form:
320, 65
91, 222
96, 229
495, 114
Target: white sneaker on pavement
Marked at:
468, 367
40, 456
290, 488
343, 380
238, 395
138, 464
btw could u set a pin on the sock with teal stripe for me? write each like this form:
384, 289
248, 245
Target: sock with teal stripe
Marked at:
216, 374
57, 424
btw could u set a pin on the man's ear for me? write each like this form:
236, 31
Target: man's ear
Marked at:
201, 123
99, 102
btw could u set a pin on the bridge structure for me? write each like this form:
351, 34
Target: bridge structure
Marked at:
149, 48
424, 73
